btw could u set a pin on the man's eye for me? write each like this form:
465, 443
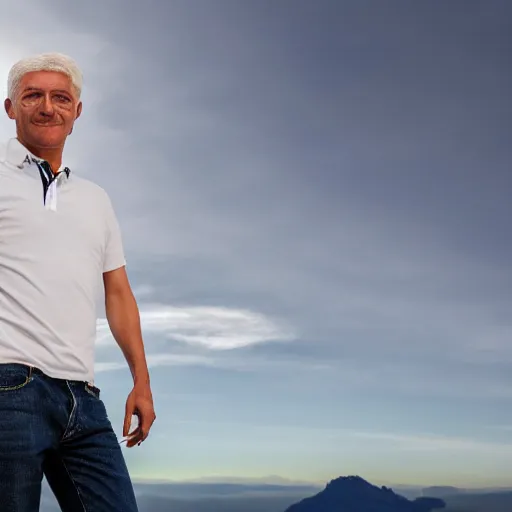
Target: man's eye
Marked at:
60, 97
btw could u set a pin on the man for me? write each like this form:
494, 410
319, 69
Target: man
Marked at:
59, 242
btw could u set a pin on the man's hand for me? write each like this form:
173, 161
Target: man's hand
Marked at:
140, 404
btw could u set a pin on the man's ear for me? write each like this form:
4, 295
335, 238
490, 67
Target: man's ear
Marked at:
78, 110
9, 108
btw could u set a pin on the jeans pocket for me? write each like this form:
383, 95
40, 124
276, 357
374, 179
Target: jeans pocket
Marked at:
92, 390
14, 376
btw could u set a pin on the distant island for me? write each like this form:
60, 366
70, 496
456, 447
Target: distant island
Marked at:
354, 494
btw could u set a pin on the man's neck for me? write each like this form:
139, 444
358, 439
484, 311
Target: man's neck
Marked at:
52, 155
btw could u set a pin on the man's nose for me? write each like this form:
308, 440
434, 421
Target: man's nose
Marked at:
46, 107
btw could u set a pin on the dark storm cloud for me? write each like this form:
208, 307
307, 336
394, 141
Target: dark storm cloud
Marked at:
343, 164
394, 115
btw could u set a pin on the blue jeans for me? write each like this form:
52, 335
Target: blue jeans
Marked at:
59, 429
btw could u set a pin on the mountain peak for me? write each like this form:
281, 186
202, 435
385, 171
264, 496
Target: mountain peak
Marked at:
355, 494
352, 479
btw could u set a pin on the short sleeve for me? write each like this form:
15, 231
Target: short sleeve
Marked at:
114, 257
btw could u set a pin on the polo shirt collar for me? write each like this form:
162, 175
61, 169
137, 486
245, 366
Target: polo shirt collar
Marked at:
18, 155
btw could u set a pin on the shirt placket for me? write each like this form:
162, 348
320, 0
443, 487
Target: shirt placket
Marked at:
50, 185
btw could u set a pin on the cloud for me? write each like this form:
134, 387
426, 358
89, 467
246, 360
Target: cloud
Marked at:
396, 440
433, 442
500, 428
109, 366
214, 328
156, 360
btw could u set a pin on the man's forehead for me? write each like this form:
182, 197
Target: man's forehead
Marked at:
37, 79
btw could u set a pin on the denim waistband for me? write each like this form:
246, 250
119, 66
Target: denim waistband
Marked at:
34, 370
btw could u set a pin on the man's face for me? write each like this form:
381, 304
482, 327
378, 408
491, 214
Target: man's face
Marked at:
45, 108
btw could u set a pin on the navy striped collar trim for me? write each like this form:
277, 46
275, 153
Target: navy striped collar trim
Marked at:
44, 166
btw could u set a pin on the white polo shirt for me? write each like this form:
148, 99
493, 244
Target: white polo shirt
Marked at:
57, 237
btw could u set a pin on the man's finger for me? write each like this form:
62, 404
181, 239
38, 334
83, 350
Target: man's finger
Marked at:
135, 438
146, 425
127, 420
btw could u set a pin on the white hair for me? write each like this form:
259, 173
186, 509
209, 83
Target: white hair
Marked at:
44, 62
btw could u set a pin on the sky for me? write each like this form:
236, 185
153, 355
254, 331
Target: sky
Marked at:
314, 200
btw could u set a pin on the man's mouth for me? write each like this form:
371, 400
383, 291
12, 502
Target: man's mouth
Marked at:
47, 125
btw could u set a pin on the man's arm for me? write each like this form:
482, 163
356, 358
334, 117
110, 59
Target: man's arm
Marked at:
124, 321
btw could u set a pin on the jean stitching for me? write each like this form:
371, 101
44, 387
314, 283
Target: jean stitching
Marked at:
66, 433
28, 378
74, 485
19, 386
